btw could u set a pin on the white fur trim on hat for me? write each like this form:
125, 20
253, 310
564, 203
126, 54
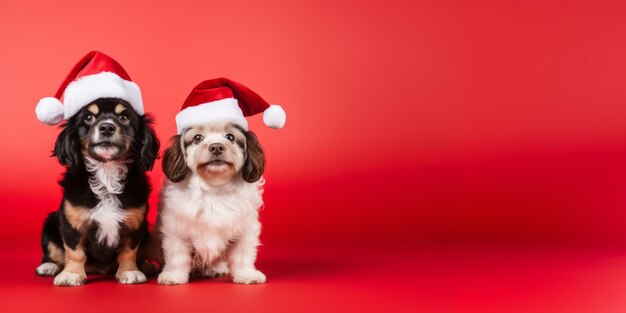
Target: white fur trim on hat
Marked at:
86, 89
274, 116
224, 110
49, 110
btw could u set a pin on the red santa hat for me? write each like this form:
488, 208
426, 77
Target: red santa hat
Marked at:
222, 99
95, 76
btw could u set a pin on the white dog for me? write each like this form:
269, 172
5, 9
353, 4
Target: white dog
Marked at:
208, 219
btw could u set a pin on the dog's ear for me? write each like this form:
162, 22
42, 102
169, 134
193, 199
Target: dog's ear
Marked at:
254, 163
67, 148
148, 144
174, 165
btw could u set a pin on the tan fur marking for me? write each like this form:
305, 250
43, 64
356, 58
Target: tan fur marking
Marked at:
77, 216
93, 108
134, 217
127, 259
56, 254
119, 108
75, 259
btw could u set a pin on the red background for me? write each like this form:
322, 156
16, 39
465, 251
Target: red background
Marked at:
416, 132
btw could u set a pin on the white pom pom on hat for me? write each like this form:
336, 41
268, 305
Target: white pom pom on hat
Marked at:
49, 111
95, 76
222, 99
274, 116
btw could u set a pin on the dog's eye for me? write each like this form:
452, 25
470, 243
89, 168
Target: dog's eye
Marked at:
89, 119
124, 119
197, 138
230, 137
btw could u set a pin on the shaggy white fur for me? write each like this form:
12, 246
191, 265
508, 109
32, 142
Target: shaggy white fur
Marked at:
209, 221
218, 225
107, 182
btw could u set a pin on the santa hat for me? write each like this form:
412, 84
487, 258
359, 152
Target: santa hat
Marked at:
222, 99
95, 76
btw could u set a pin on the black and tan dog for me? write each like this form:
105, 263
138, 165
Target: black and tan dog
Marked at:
107, 147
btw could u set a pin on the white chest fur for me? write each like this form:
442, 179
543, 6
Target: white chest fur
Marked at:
107, 182
209, 218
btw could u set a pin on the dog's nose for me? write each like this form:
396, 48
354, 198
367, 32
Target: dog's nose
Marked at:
216, 148
106, 129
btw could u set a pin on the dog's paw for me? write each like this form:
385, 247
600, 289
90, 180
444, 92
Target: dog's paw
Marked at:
47, 269
211, 273
214, 271
220, 269
173, 278
252, 276
131, 277
67, 279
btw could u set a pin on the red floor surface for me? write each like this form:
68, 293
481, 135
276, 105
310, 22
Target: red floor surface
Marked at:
324, 279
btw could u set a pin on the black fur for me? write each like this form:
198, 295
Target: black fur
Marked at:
70, 148
148, 145
67, 148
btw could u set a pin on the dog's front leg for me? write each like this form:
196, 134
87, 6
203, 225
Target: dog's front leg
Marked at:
177, 255
127, 272
242, 255
73, 273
